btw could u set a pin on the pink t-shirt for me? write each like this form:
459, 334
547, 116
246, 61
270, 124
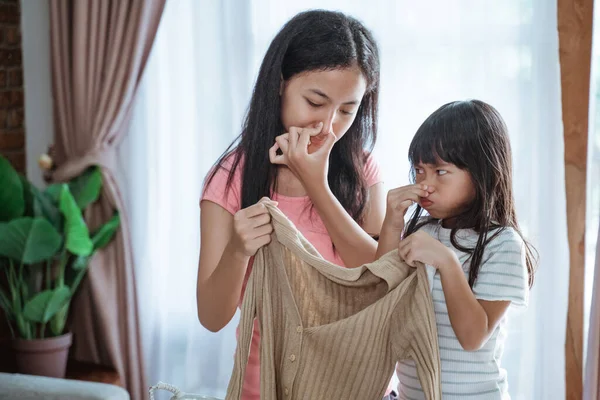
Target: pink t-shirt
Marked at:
304, 217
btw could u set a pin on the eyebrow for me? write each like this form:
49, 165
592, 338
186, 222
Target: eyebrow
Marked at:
442, 164
318, 92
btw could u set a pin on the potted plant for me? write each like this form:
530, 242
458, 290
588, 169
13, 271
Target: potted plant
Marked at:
45, 247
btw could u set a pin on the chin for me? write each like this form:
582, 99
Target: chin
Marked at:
434, 214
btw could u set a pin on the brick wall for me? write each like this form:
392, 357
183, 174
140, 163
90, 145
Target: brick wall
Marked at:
12, 125
12, 129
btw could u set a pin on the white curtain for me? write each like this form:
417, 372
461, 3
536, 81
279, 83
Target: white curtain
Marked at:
195, 92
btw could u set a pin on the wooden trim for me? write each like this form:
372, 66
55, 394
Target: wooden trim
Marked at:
575, 47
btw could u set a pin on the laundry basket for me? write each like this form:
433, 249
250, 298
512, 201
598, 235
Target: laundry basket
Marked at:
178, 394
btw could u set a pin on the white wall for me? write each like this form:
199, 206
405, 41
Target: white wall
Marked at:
39, 128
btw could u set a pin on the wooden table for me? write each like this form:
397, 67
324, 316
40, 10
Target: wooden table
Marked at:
84, 371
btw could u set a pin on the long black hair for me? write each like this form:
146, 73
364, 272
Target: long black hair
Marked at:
311, 41
473, 136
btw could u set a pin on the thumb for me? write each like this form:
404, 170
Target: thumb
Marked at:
314, 129
405, 205
328, 143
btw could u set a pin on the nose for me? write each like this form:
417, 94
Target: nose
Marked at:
329, 122
429, 180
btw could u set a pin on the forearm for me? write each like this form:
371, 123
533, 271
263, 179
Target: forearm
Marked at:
353, 244
467, 317
388, 240
219, 295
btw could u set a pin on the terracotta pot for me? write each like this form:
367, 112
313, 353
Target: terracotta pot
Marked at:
46, 357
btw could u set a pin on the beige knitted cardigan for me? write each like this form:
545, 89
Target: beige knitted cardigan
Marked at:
329, 332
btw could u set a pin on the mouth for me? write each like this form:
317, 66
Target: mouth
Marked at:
423, 202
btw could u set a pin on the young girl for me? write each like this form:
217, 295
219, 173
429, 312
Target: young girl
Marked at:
478, 262
304, 144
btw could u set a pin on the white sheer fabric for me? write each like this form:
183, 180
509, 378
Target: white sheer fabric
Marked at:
195, 92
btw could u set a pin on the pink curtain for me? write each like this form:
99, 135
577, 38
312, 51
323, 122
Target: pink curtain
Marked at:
591, 390
98, 50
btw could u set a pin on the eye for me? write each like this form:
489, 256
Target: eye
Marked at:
315, 105
346, 112
419, 170
442, 172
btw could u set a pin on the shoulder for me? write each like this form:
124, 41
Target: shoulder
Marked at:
220, 189
503, 274
507, 240
371, 170
222, 169
430, 226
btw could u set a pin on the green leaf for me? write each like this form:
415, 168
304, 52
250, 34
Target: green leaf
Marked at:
23, 327
106, 232
80, 262
45, 206
76, 230
46, 304
58, 322
74, 277
53, 191
28, 240
25, 290
86, 187
28, 199
12, 203
5, 303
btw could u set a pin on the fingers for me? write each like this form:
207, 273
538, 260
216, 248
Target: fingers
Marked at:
300, 138
281, 143
252, 227
403, 246
417, 189
402, 203
304, 139
261, 241
254, 210
327, 144
293, 137
298, 143
263, 230
311, 130
258, 208
284, 141
413, 197
261, 220
402, 198
405, 204
405, 254
297, 139
274, 157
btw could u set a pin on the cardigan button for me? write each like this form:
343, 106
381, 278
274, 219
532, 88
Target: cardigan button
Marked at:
286, 391
293, 358
299, 329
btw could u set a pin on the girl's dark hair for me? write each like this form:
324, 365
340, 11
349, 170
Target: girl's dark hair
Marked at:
311, 41
473, 136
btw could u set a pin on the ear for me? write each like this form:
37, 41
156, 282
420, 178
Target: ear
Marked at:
281, 84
